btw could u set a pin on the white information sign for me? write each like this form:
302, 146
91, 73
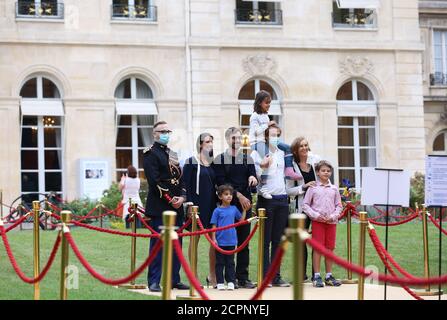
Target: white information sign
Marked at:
436, 181
94, 177
385, 187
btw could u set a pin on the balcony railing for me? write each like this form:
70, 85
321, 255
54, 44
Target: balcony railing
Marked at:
271, 17
45, 10
138, 12
438, 79
361, 20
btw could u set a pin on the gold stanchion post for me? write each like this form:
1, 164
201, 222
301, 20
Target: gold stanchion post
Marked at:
297, 234
36, 247
427, 291
361, 281
349, 280
166, 275
193, 256
261, 226
66, 219
133, 248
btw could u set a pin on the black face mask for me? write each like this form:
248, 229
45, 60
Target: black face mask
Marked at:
211, 153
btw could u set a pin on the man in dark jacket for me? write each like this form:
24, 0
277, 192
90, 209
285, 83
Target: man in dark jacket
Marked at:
166, 192
236, 168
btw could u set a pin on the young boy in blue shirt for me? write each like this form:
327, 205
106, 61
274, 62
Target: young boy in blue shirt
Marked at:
225, 215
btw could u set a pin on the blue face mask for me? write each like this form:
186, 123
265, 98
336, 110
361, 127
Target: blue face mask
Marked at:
164, 138
274, 141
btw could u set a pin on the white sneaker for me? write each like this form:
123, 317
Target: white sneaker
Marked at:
220, 286
264, 194
230, 286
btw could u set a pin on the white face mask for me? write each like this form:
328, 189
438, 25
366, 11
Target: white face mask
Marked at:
274, 141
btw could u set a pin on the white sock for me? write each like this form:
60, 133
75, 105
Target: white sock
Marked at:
316, 274
328, 275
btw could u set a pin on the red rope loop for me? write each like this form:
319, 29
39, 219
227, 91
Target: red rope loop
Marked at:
437, 225
112, 282
391, 224
362, 271
228, 252
16, 224
189, 274
186, 224
205, 231
16, 267
271, 273
146, 225
115, 232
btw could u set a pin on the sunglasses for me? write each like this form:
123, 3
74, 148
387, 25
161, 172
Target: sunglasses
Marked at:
164, 131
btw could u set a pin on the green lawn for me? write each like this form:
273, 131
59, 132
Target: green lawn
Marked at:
110, 254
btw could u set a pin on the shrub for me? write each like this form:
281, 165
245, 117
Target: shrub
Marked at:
417, 189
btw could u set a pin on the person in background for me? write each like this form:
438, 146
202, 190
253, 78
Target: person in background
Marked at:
130, 188
322, 203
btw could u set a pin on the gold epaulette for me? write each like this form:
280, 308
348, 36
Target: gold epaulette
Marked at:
147, 149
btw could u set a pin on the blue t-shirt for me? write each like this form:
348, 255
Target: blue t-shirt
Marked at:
223, 217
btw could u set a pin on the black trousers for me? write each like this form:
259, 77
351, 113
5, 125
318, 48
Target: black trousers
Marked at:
307, 225
277, 212
243, 257
225, 262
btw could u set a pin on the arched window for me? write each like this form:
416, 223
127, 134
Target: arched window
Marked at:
41, 139
440, 143
136, 114
247, 97
357, 134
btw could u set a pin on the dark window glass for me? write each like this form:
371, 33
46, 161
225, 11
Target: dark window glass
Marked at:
53, 181
29, 159
123, 158
125, 120
367, 137
363, 92
367, 157
30, 182
123, 90
146, 120
346, 157
124, 138
29, 89
248, 91
52, 137
267, 87
52, 159
143, 90
27, 200
49, 89
29, 138
346, 174
439, 143
145, 137
29, 121
345, 92
345, 137
345, 121
367, 121
245, 120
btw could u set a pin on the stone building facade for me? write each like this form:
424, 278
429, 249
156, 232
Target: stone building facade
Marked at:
87, 79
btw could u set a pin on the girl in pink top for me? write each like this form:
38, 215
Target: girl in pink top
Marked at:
322, 203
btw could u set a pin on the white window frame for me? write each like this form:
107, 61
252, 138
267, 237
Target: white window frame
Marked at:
443, 32
444, 152
354, 26
37, 3
362, 104
151, 16
255, 6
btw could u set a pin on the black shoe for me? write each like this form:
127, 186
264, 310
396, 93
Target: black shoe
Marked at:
278, 282
180, 286
155, 287
246, 284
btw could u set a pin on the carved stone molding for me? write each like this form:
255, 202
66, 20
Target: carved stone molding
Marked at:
443, 116
356, 66
259, 64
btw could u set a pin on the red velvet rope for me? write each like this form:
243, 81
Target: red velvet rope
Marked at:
112, 282
16, 267
187, 223
115, 232
205, 231
380, 248
271, 272
17, 223
383, 254
146, 225
391, 224
360, 270
228, 252
437, 225
191, 277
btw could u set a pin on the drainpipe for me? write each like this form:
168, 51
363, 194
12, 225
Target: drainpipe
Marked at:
188, 73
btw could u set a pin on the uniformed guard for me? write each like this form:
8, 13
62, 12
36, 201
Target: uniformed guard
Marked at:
166, 192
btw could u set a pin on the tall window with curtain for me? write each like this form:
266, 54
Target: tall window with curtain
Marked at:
439, 77
41, 139
136, 115
357, 134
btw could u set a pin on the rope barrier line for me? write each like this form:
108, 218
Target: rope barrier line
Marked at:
189, 274
271, 272
228, 252
205, 231
17, 223
185, 225
391, 224
146, 225
383, 254
380, 248
15, 265
437, 224
361, 271
115, 232
112, 282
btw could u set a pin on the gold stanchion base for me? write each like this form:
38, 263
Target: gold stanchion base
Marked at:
189, 298
429, 293
350, 281
133, 286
